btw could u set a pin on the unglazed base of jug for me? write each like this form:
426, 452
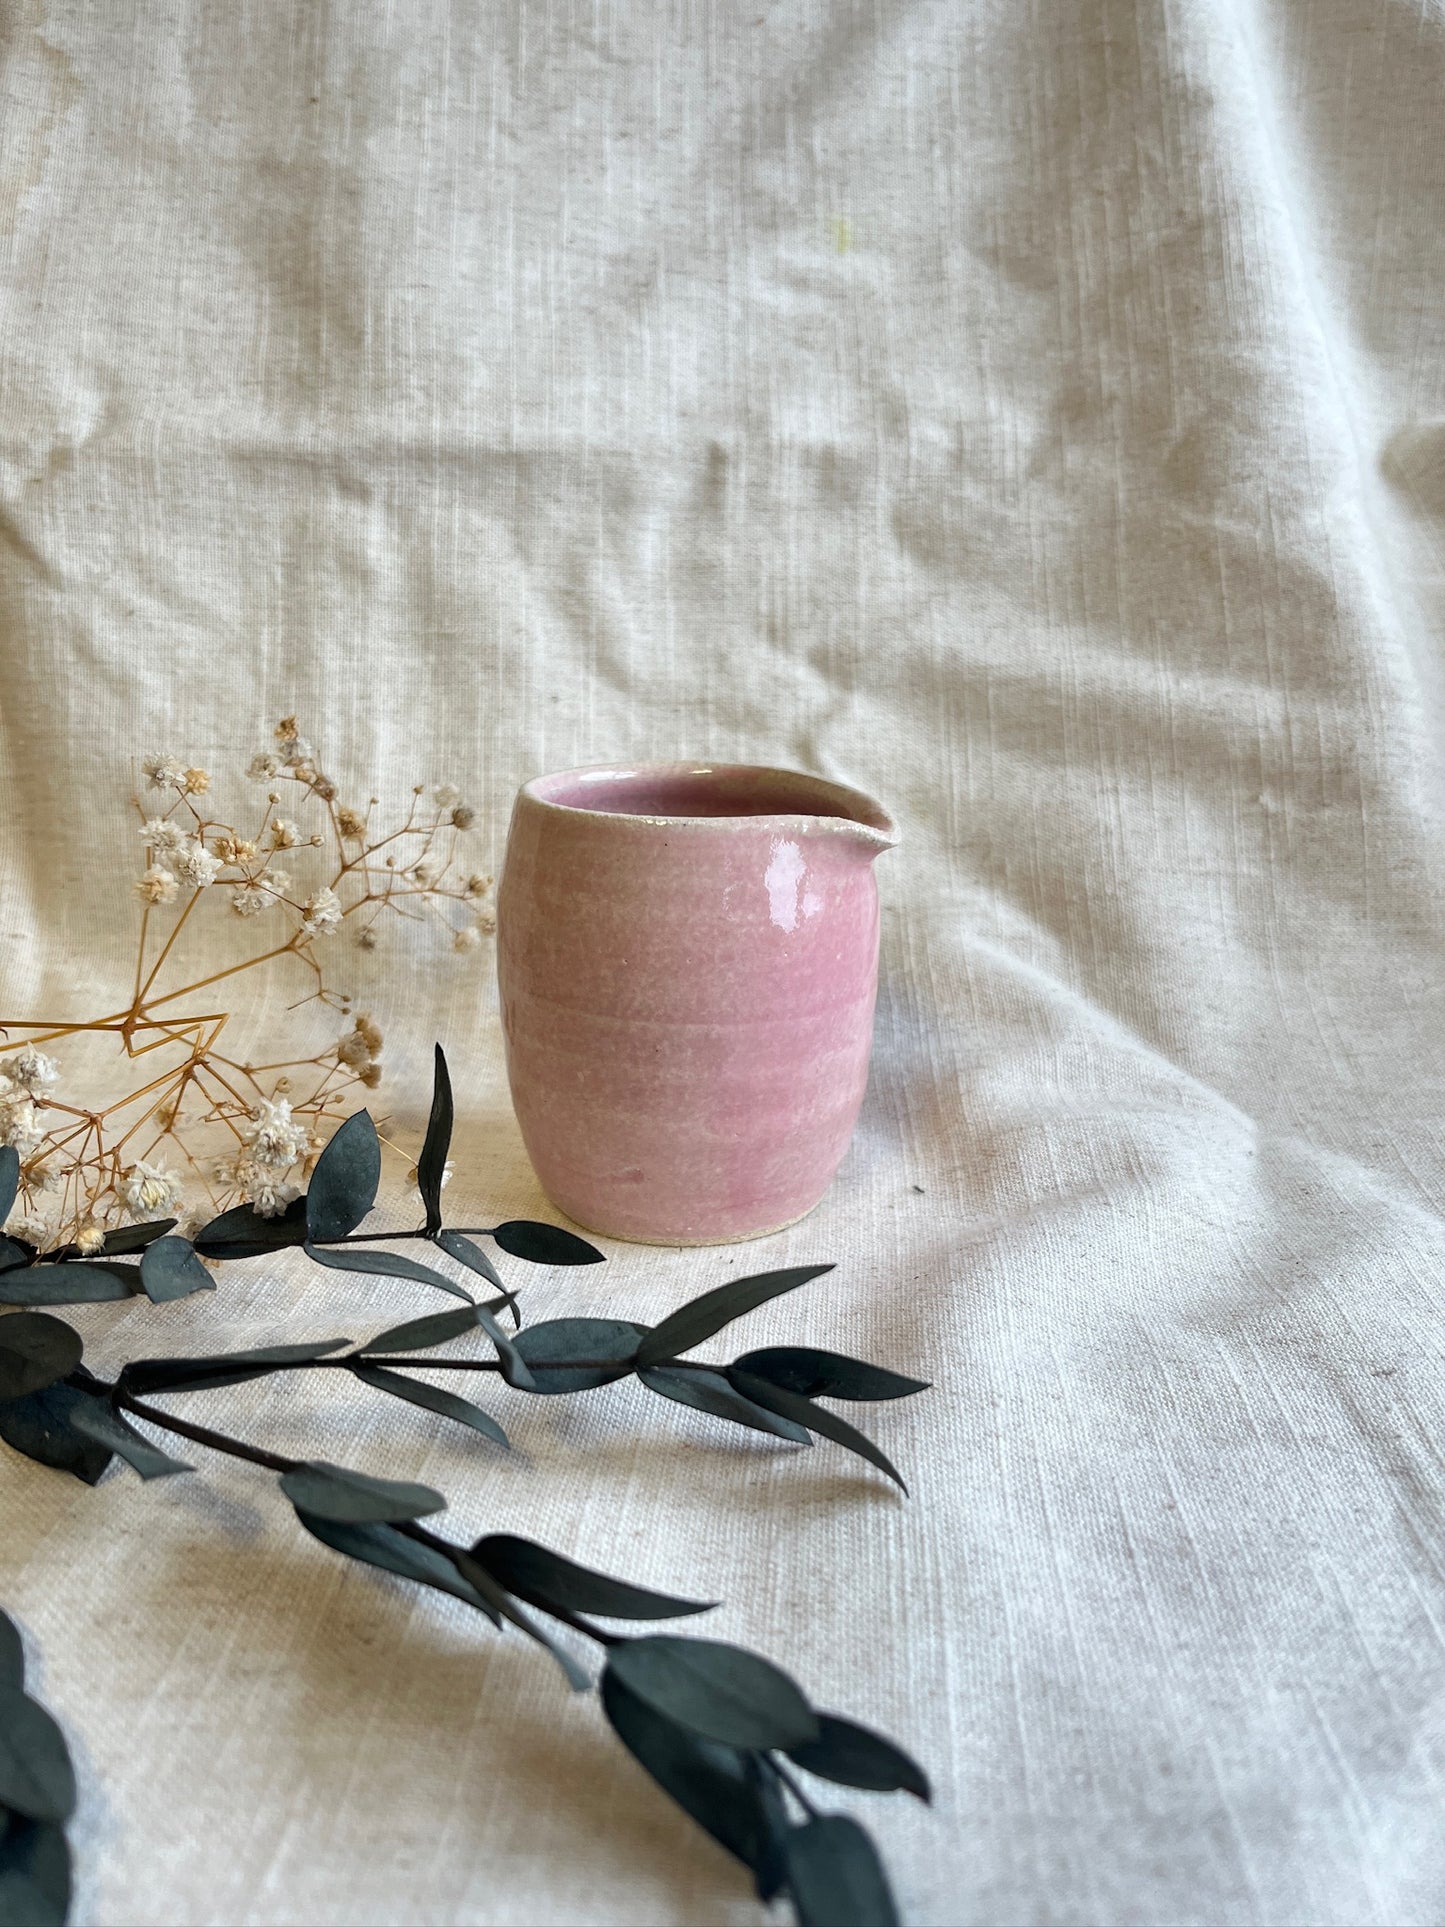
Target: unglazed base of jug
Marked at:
687, 1244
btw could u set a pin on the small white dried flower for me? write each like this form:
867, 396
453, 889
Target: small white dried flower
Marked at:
463, 816
274, 1137
43, 1177
248, 901
89, 1239
156, 886
263, 766
276, 880
194, 864
270, 1198
476, 886
234, 849
412, 1174
467, 938
19, 1122
148, 1188
446, 796
35, 1231
366, 938
285, 835
425, 871
32, 1070
322, 913
351, 823
197, 782
164, 772
487, 923
162, 835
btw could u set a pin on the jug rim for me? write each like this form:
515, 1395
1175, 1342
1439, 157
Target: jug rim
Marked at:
840, 802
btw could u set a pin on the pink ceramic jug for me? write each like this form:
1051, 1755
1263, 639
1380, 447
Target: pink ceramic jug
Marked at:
688, 958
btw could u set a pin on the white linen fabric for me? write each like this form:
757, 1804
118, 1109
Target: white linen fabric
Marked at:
1033, 414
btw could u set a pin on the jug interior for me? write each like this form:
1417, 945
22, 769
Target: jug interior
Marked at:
706, 791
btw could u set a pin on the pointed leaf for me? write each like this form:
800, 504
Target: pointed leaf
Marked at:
12, 1656
607, 1347
35, 1351
383, 1264
100, 1421
35, 1772
169, 1268
496, 1596
545, 1244
709, 1391
720, 1691
698, 1320
39, 1425
14, 1251
144, 1375
419, 1334
391, 1551
135, 1237
243, 1233
9, 1179
69, 1284
835, 1876
817, 1418
343, 1185
852, 1755
466, 1253
720, 1787
433, 1399
515, 1368
431, 1165
34, 1874
354, 1498
544, 1578
817, 1374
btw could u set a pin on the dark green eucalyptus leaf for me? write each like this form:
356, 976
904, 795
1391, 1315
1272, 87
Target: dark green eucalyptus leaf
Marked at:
709, 1391
817, 1374
135, 1237
817, 1418
14, 1251
69, 1284
39, 1425
12, 1656
145, 1375
419, 1334
416, 1392
9, 1179
470, 1255
355, 1498
36, 1779
835, 1876
391, 1551
496, 1596
720, 1787
545, 1244
515, 1368
719, 1691
553, 1348
35, 1351
694, 1322
852, 1755
34, 1874
243, 1233
544, 1578
431, 1165
169, 1268
343, 1185
383, 1264
102, 1422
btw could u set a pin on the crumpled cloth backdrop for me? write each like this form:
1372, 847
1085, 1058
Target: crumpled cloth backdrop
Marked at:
1034, 414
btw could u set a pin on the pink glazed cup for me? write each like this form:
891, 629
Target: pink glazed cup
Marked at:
688, 960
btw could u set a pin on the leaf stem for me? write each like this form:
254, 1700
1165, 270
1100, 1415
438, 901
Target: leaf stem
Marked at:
791, 1784
203, 1435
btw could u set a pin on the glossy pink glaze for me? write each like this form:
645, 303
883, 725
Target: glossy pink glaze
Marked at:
688, 959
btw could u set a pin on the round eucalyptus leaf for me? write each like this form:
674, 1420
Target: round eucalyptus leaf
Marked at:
835, 1876
34, 1874
343, 1185
36, 1778
35, 1351
169, 1268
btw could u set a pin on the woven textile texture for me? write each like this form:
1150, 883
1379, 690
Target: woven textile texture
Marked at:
1031, 413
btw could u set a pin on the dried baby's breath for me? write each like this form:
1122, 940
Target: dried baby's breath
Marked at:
197, 1130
